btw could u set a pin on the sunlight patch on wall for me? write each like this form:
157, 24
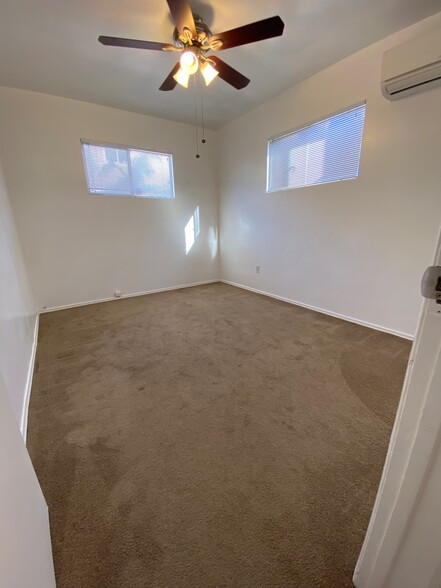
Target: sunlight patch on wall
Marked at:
212, 241
192, 230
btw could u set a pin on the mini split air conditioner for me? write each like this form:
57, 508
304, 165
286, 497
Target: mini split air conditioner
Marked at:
413, 66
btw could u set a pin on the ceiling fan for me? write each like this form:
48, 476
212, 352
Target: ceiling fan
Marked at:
194, 40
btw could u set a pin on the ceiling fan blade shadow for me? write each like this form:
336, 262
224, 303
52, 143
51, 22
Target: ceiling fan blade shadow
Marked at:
170, 83
250, 33
182, 16
135, 44
229, 74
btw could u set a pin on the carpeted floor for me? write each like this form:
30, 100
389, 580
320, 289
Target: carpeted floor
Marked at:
210, 437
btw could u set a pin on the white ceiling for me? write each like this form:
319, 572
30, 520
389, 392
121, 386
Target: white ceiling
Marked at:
51, 46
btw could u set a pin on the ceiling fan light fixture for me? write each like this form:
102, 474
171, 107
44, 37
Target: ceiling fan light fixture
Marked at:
189, 62
208, 72
182, 77
193, 38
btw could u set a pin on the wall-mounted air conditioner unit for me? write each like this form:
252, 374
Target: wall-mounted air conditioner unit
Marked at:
413, 66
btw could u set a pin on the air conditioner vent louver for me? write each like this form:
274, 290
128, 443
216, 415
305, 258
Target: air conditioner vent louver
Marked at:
412, 67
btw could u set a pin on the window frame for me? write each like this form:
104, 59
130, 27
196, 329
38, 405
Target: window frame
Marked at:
303, 127
129, 164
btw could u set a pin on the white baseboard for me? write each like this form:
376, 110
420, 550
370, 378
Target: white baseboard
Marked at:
263, 292
323, 311
87, 302
27, 396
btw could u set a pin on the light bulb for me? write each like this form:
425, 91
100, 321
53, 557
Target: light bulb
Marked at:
189, 62
181, 77
208, 72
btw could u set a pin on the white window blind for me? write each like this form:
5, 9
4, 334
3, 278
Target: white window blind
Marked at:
327, 151
120, 171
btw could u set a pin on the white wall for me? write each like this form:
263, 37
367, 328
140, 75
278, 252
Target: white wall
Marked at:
25, 550
355, 248
17, 313
78, 247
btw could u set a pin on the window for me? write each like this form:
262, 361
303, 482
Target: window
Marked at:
327, 151
120, 171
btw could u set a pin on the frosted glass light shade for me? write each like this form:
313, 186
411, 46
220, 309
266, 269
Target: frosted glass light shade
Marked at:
208, 72
189, 62
182, 77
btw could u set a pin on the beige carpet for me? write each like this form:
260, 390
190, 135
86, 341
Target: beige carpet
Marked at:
208, 438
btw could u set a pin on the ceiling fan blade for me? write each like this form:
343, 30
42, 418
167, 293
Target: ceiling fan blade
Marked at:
229, 74
170, 83
182, 16
135, 44
250, 33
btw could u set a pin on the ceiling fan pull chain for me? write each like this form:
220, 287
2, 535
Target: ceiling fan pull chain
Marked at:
202, 108
196, 117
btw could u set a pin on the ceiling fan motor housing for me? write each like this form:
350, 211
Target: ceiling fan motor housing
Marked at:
203, 34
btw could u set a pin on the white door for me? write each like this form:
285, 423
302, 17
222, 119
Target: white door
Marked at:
402, 548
